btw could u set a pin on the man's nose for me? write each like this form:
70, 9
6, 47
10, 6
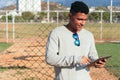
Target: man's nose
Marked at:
83, 22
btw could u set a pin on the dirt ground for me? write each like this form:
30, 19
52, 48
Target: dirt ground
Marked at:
25, 61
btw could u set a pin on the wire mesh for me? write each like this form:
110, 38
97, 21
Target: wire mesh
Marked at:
25, 59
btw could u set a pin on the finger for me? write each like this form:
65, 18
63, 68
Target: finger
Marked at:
102, 62
99, 65
88, 60
85, 60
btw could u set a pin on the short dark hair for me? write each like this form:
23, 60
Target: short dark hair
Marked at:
79, 6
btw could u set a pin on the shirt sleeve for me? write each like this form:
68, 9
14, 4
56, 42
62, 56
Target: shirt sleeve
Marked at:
93, 55
52, 53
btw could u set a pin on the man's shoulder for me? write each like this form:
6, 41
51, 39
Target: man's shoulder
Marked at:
87, 31
58, 29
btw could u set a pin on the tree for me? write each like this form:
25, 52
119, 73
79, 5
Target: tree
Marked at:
4, 18
106, 16
42, 15
94, 16
101, 8
27, 16
18, 19
53, 15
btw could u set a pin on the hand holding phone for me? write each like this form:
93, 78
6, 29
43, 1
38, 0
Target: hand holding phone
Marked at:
102, 58
99, 62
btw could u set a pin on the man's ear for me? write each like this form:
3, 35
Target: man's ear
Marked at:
70, 15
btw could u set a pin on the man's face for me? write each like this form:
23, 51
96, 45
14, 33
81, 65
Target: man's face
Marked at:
78, 20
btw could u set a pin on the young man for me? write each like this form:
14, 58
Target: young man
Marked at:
70, 48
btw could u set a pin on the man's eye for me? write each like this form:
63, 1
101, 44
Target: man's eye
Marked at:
82, 19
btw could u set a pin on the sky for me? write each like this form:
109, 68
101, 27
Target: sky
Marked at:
6, 2
68, 2
90, 2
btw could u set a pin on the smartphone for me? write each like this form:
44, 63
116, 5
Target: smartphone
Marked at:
97, 61
102, 58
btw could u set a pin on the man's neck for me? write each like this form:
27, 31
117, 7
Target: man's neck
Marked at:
70, 27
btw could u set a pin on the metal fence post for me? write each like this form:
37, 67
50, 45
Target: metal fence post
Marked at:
57, 17
13, 27
6, 26
101, 27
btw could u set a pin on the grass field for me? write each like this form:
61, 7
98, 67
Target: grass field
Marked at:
4, 46
113, 64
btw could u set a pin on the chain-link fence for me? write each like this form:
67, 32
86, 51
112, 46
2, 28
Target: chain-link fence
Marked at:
28, 31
